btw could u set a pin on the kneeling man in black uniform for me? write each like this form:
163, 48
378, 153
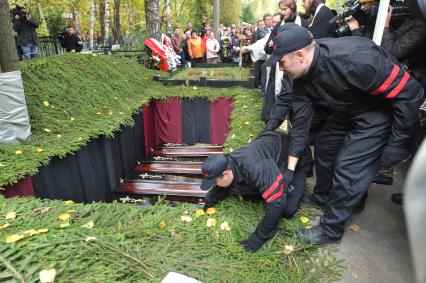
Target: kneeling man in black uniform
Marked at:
258, 169
374, 103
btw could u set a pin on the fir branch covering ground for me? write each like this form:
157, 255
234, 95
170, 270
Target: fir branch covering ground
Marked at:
127, 244
226, 73
74, 98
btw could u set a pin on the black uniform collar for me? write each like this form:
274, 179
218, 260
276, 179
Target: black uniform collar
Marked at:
314, 65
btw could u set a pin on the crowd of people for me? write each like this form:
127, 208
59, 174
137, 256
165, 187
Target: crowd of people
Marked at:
356, 103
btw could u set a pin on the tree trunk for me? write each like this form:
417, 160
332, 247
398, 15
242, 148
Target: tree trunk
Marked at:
42, 17
102, 19
92, 23
152, 17
216, 16
107, 21
168, 18
117, 24
76, 20
8, 53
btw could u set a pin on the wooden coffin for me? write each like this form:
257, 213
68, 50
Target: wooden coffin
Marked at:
183, 150
179, 167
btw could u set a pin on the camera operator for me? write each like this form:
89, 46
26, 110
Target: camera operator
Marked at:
25, 27
70, 40
366, 29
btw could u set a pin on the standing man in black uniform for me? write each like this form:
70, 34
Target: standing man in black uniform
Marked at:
258, 170
374, 102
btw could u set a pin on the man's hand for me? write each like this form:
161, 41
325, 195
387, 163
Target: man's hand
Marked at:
392, 156
207, 205
353, 24
252, 244
389, 17
288, 177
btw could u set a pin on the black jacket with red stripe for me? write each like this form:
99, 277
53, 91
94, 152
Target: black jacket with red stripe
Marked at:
353, 75
257, 170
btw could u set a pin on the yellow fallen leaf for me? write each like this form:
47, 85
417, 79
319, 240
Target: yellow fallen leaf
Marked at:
225, 226
64, 224
72, 119
80, 138
69, 202
247, 123
98, 113
47, 275
185, 218
64, 216
162, 225
30, 233
18, 152
39, 149
47, 130
71, 211
194, 87
4, 226
94, 55
42, 209
211, 222
199, 212
10, 215
211, 211
354, 228
2, 165
46, 103
288, 249
115, 97
58, 135
304, 219
110, 113
88, 225
14, 238
44, 230
91, 238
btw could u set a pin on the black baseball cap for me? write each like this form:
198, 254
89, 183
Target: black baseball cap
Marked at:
290, 37
212, 168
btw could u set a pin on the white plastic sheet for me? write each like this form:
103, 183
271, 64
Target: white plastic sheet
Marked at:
14, 122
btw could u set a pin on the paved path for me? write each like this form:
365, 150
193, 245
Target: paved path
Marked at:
379, 251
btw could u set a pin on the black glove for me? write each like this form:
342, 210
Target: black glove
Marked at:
207, 205
273, 124
288, 177
252, 244
393, 155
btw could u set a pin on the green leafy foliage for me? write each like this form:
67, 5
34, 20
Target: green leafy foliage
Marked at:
247, 15
131, 247
226, 73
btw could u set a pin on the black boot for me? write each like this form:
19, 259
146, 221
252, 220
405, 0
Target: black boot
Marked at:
397, 198
383, 177
317, 236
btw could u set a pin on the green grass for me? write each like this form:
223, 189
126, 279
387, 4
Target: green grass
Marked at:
227, 73
131, 247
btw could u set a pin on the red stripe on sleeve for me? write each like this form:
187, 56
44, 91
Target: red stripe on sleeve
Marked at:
388, 81
271, 189
400, 86
277, 194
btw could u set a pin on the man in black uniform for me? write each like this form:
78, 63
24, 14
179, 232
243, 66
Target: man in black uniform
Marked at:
70, 41
357, 80
258, 170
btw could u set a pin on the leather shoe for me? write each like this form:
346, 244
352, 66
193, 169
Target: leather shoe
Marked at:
310, 200
382, 179
397, 198
317, 236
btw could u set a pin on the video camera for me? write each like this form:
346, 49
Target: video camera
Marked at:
350, 10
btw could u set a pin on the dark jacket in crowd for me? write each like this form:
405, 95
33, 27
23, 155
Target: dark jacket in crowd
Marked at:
71, 42
26, 30
407, 43
260, 33
320, 26
353, 75
257, 170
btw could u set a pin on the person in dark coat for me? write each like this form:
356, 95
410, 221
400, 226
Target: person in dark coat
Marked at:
258, 171
374, 103
320, 25
71, 41
25, 27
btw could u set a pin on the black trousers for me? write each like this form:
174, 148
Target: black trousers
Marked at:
347, 155
258, 72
